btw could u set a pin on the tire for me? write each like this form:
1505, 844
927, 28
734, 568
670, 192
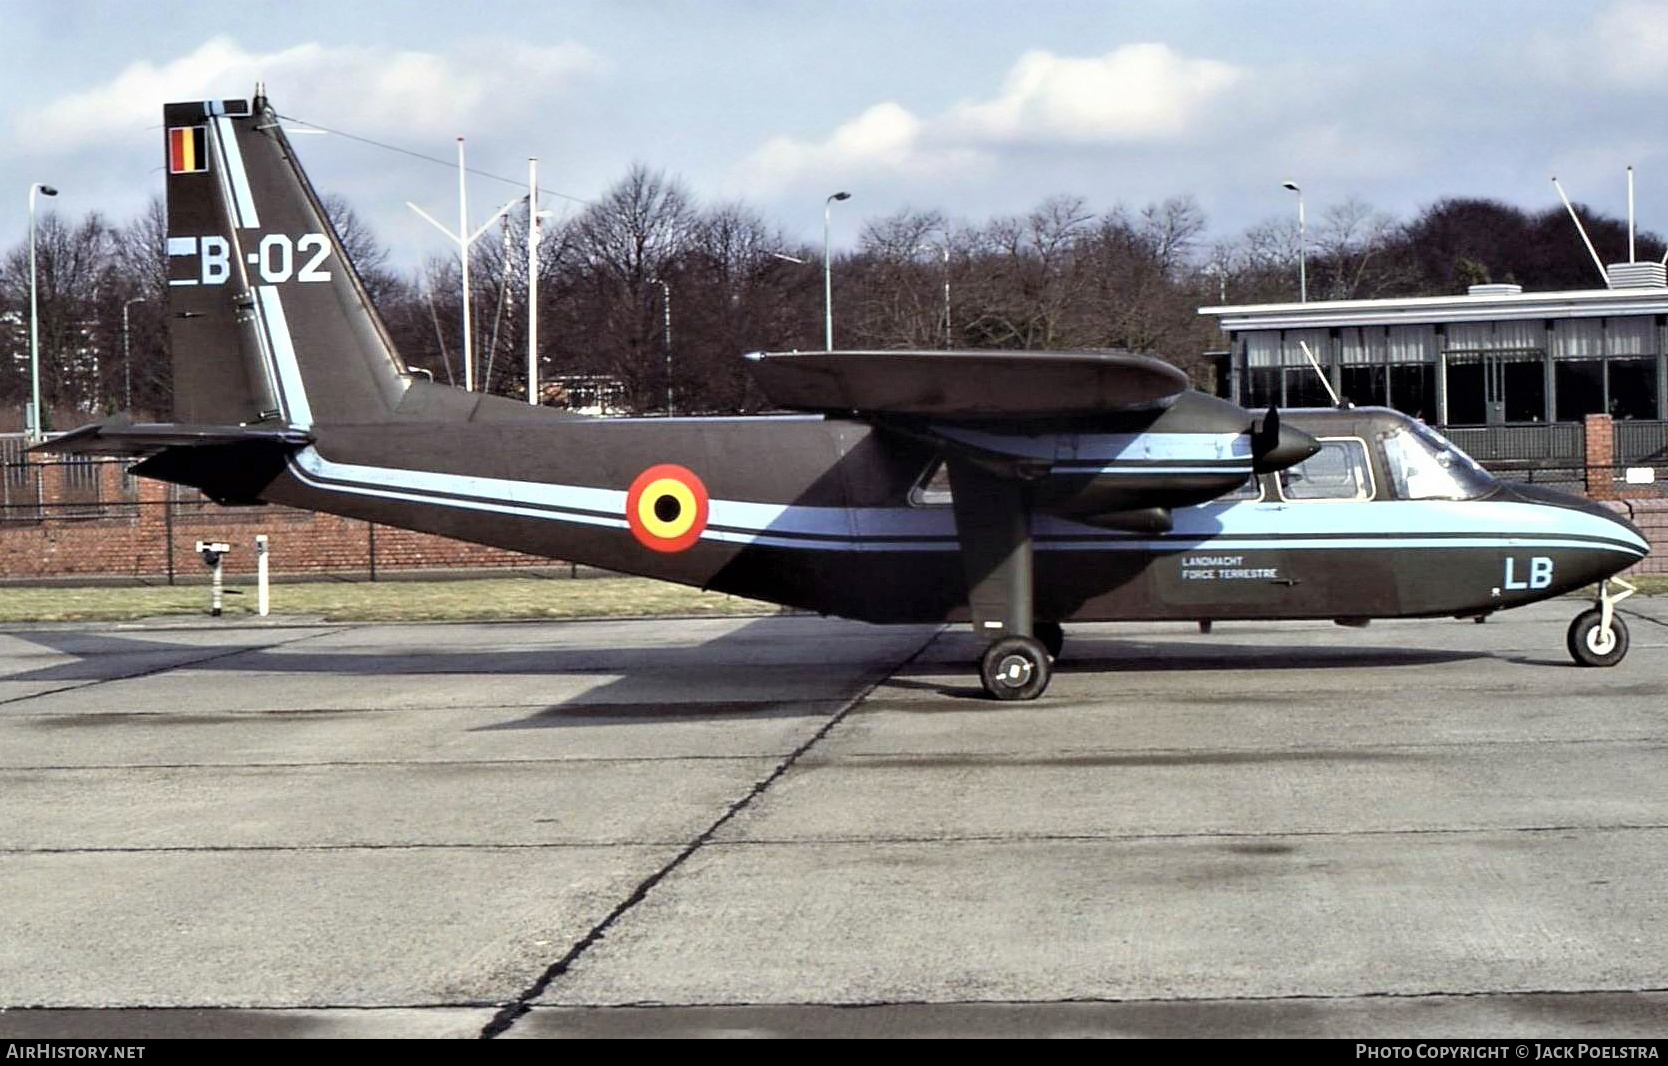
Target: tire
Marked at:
1015, 668
1052, 635
1585, 642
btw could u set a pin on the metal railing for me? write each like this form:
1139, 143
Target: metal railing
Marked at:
1522, 441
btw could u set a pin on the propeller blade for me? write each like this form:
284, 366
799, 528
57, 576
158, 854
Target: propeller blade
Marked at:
1275, 447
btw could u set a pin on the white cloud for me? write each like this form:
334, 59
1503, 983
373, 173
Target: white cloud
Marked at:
360, 87
886, 138
1134, 93
1629, 44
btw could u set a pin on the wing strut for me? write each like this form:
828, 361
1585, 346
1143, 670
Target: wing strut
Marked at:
993, 524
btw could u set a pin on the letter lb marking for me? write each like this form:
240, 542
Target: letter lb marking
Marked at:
1539, 577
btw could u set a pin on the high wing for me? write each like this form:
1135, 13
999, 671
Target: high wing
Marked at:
968, 385
1108, 439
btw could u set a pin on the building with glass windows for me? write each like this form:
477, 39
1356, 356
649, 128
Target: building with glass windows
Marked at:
1494, 356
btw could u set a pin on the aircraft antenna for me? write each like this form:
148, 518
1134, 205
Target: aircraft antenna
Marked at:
1330, 391
1583, 231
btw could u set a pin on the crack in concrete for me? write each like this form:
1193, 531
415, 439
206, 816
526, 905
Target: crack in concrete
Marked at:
864, 841
523, 1003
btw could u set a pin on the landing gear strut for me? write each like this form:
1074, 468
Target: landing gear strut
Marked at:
993, 526
1598, 636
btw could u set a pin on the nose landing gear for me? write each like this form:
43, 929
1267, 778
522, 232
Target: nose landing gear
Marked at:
1598, 636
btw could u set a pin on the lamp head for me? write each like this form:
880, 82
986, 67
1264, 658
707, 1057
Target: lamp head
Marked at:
841, 196
1292, 185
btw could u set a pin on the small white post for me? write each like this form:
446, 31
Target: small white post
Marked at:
218, 586
262, 598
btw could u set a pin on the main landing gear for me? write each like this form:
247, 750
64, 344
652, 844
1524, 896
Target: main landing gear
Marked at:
993, 527
1598, 636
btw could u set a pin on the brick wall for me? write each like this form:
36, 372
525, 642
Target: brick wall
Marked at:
1600, 453
123, 531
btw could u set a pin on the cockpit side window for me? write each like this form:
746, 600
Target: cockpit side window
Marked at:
1339, 471
1425, 466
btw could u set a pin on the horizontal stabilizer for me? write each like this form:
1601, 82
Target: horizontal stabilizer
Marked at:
136, 440
967, 385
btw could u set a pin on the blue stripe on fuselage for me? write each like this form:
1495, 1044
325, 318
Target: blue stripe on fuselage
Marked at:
1399, 524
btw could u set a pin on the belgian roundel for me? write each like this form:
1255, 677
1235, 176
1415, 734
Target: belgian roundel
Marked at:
667, 507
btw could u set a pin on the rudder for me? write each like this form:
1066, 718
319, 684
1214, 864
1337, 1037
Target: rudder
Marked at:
270, 324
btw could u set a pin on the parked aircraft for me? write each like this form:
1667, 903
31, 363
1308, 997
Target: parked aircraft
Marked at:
1017, 491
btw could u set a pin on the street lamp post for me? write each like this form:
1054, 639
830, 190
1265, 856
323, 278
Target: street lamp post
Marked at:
1302, 245
127, 359
34, 427
828, 272
946, 250
666, 307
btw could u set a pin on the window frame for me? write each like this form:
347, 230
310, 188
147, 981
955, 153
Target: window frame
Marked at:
1367, 463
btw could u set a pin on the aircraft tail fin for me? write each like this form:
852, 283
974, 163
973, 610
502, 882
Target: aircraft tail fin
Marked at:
270, 323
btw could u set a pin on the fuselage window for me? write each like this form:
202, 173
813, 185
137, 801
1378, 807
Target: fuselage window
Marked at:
1339, 471
933, 488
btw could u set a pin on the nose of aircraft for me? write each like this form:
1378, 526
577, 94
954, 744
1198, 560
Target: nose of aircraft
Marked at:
1591, 518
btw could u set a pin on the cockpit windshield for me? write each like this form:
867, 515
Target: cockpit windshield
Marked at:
1425, 466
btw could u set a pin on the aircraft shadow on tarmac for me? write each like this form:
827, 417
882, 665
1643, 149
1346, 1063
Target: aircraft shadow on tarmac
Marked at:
777, 685
103, 656
1113, 656
643, 675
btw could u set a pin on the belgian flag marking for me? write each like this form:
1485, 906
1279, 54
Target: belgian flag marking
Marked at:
667, 507
187, 149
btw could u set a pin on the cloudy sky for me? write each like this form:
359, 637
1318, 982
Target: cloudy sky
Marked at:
975, 107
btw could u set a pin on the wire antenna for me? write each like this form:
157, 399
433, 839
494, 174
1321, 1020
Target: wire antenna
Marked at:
1330, 391
1603, 273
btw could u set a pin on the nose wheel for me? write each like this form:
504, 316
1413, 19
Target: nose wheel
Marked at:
1598, 636
1016, 668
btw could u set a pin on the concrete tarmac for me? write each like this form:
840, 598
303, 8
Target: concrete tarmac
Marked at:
802, 826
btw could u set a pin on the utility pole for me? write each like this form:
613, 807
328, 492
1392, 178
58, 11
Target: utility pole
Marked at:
464, 239
533, 280
828, 270
127, 358
35, 422
666, 305
1302, 245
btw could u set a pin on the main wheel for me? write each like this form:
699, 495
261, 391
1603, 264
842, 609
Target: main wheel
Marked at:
1015, 668
1588, 643
1052, 635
